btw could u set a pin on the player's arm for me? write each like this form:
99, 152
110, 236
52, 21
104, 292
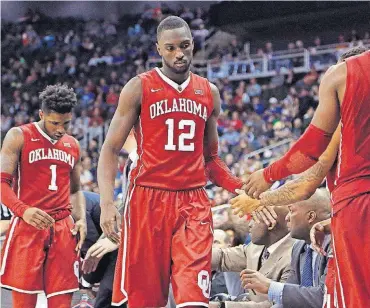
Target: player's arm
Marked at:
78, 204
126, 115
294, 191
306, 151
10, 154
216, 170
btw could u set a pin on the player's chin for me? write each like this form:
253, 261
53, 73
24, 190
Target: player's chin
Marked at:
180, 69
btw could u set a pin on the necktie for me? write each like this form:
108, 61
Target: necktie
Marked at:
265, 256
307, 274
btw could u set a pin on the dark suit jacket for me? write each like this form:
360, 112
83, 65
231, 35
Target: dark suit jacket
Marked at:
306, 297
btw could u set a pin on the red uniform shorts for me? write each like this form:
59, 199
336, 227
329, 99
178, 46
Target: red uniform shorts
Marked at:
166, 237
351, 245
33, 261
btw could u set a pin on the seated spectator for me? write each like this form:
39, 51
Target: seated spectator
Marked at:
306, 284
269, 253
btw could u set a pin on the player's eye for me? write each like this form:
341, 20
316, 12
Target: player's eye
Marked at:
186, 45
170, 48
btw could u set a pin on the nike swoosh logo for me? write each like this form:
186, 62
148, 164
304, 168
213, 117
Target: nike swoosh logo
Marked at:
35, 139
204, 222
155, 90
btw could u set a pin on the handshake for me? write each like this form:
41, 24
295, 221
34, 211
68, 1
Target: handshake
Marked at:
248, 199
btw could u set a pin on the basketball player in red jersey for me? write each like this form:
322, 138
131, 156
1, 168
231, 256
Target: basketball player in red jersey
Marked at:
40, 252
345, 96
167, 222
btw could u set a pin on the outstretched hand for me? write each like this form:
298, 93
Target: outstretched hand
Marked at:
256, 184
243, 204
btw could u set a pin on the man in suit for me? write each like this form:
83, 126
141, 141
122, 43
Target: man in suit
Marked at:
305, 285
269, 253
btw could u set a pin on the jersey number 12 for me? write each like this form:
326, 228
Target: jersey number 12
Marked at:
170, 146
53, 182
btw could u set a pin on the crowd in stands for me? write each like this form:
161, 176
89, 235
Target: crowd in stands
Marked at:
97, 58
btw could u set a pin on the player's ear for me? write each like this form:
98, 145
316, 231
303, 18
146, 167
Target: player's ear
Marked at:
158, 49
41, 114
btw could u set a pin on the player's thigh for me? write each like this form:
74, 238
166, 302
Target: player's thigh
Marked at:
351, 243
60, 301
62, 262
144, 255
191, 255
23, 256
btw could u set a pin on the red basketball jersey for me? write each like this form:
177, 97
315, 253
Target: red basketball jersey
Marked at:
353, 172
170, 132
44, 169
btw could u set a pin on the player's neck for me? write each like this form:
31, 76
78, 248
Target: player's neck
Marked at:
178, 78
41, 124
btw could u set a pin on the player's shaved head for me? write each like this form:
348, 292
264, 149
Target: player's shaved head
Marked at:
170, 23
355, 51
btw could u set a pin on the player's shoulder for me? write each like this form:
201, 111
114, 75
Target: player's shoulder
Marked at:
336, 74
71, 142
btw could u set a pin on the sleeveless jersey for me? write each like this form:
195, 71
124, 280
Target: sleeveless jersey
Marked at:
44, 170
170, 132
353, 172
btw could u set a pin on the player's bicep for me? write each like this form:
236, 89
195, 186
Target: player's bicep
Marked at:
126, 115
11, 150
327, 114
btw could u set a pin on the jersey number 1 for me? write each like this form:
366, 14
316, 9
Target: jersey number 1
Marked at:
53, 182
170, 146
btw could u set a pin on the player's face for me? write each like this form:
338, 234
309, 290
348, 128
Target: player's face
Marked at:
297, 222
176, 49
56, 124
258, 231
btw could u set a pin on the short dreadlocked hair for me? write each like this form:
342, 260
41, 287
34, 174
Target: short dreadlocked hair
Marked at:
169, 23
58, 98
355, 51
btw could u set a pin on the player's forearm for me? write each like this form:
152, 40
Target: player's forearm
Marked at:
107, 169
78, 205
8, 197
299, 189
219, 174
303, 154
217, 171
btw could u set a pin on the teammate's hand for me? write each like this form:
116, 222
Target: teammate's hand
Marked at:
38, 218
243, 204
80, 228
95, 253
256, 184
110, 219
317, 235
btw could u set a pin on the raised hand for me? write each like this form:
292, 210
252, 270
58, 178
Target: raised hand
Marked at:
243, 204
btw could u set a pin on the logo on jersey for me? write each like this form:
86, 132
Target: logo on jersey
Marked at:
178, 105
43, 154
156, 90
204, 283
33, 139
67, 144
198, 92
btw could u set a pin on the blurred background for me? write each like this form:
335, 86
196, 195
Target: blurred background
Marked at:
266, 58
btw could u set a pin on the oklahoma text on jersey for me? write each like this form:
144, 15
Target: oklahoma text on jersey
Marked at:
42, 154
182, 105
